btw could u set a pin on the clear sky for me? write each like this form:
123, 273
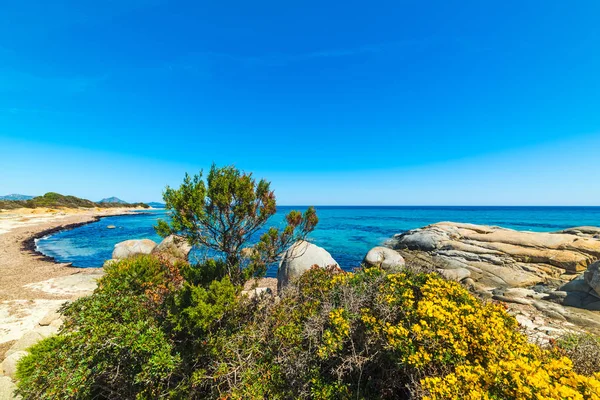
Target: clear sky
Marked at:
335, 102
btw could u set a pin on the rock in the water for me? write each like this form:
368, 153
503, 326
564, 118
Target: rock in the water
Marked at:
7, 387
300, 257
110, 227
9, 365
174, 247
386, 258
130, 248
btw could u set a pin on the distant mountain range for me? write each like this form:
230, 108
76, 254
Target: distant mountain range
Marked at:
16, 197
113, 200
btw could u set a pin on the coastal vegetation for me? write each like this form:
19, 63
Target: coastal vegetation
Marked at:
155, 330
162, 328
224, 213
57, 200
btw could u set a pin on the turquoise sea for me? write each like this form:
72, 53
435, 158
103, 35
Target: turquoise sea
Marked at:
346, 232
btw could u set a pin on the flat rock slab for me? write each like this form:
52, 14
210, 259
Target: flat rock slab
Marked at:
18, 317
503, 257
71, 285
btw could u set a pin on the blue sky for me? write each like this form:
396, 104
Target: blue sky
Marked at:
400, 102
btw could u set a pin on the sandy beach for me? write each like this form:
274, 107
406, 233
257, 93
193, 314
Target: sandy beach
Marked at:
31, 285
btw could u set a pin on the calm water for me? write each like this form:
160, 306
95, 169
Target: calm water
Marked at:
346, 232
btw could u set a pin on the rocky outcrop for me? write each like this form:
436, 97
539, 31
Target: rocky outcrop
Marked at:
300, 257
386, 258
499, 257
592, 278
583, 231
581, 292
130, 248
538, 275
173, 247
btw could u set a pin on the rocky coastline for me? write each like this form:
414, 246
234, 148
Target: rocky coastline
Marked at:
550, 281
29, 244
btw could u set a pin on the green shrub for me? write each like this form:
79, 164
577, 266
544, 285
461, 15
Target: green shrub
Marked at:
583, 350
157, 330
110, 348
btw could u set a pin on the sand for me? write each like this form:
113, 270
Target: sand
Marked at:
31, 285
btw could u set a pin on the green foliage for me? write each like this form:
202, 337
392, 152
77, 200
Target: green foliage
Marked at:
225, 212
196, 310
157, 330
111, 347
57, 200
112, 344
138, 336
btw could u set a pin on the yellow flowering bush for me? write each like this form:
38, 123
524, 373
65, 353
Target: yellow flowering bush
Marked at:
375, 335
332, 335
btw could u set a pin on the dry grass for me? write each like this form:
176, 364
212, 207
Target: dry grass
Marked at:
583, 350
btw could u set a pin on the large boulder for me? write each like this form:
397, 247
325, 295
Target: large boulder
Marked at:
130, 248
386, 258
592, 277
300, 257
50, 317
174, 247
9, 365
28, 340
7, 388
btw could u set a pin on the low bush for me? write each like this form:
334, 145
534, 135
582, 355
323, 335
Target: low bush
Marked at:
157, 330
583, 350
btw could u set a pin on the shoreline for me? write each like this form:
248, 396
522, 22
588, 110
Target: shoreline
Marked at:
30, 245
32, 284
21, 264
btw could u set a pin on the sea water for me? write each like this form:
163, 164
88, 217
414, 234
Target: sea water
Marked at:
346, 232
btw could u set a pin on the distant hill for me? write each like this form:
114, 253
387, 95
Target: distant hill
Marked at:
113, 200
154, 204
57, 200
16, 197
